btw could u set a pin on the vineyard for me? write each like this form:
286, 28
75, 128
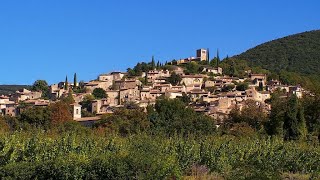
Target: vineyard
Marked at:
90, 156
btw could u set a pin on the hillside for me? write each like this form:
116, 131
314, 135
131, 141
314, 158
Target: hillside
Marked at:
8, 89
298, 53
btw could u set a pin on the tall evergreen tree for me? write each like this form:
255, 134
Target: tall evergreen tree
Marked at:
218, 58
294, 122
146, 78
153, 64
158, 65
208, 56
66, 83
75, 80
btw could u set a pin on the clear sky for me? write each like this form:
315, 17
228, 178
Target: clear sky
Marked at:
49, 39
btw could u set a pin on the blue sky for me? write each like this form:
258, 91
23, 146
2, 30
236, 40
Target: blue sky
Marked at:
54, 38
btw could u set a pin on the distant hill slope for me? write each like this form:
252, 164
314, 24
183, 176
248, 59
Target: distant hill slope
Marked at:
298, 53
9, 89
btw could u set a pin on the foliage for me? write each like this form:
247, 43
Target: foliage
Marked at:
125, 122
99, 93
174, 79
75, 82
289, 53
228, 87
296, 54
192, 68
60, 112
251, 114
36, 116
10, 89
85, 156
41, 86
87, 102
242, 86
294, 122
234, 67
172, 116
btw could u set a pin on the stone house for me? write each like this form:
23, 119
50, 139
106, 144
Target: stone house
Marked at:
213, 70
192, 79
113, 97
90, 86
258, 78
25, 94
259, 96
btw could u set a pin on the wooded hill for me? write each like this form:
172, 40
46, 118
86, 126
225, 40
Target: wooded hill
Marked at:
9, 89
295, 53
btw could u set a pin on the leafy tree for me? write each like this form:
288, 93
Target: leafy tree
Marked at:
192, 68
99, 93
174, 79
211, 89
42, 86
294, 122
242, 86
311, 106
125, 122
228, 87
4, 126
274, 126
60, 112
87, 101
37, 116
69, 98
251, 114
185, 98
172, 116
260, 88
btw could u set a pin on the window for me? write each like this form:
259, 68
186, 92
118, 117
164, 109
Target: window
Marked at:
77, 111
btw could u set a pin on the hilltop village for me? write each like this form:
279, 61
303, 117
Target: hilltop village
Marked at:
207, 91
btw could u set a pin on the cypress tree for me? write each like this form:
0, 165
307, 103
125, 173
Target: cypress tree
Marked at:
66, 83
294, 123
75, 80
153, 64
208, 56
158, 65
218, 58
302, 126
146, 78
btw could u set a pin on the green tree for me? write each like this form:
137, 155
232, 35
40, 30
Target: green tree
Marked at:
172, 116
66, 83
99, 93
69, 98
251, 114
274, 126
41, 86
75, 81
174, 79
153, 64
242, 86
294, 122
158, 65
218, 58
86, 102
125, 122
37, 116
260, 88
192, 68
60, 112
311, 106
